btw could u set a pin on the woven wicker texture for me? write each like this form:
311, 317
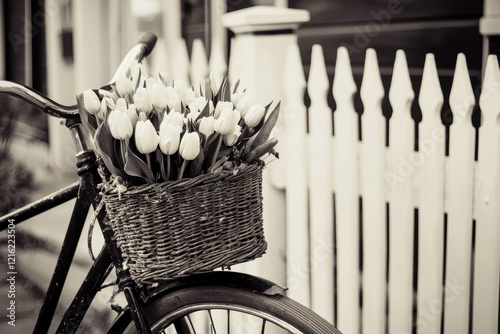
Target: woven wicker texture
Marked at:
175, 228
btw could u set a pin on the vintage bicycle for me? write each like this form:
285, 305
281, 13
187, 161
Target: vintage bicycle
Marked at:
156, 308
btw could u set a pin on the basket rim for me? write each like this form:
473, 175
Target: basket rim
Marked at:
202, 179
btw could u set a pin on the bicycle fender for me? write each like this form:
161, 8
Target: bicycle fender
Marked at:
215, 278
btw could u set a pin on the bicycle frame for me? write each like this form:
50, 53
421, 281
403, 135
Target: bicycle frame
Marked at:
86, 194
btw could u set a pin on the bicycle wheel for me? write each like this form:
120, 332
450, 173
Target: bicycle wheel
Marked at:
222, 309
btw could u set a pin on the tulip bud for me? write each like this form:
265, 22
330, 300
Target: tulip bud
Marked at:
242, 99
123, 85
173, 117
121, 104
174, 101
190, 146
222, 105
196, 107
232, 138
170, 136
91, 101
142, 101
139, 74
254, 115
146, 138
150, 82
102, 111
132, 114
120, 125
244, 104
227, 120
188, 96
214, 83
159, 97
207, 125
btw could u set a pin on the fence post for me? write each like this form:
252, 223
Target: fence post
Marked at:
263, 35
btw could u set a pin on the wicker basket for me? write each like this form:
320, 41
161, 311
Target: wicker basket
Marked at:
176, 228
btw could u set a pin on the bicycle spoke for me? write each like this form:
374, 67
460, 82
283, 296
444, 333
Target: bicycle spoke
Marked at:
263, 326
191, 323
183, 326
228, 322
212, 322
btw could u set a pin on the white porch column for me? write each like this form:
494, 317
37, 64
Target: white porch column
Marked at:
490, 22
489, 26
60, 87
262, 37
172, 31
91, 44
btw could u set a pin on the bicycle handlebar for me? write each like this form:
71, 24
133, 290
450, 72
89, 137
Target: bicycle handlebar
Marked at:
141, 50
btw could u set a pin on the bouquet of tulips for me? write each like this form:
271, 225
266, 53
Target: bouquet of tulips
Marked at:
148, 129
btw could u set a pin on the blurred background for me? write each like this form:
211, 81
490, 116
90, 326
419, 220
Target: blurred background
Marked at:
61, 47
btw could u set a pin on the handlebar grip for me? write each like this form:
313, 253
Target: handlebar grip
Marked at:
142, 49
149, 41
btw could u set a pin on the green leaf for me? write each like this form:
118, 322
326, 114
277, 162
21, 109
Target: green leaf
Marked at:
224, 93
160, 159
88, 120
261, 123
196, 165
155, 119
136, 167
204, 113
261, 150
208, 89
210, 147
236, 85
263, 135
106, 148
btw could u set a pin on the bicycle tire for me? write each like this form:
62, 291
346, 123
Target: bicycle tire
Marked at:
277, 309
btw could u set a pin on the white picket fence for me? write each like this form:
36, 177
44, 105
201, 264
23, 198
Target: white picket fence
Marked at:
348, 200
342, 170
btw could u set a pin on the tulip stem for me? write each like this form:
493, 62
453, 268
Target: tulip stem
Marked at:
183, 167
214, 158
168, 167
123, 146
148, 161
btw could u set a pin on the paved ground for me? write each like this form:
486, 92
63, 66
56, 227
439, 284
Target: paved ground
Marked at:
37, 243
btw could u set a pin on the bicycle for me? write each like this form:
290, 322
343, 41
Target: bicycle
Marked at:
150, 309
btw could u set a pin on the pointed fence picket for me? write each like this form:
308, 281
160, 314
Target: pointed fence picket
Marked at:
297, 253
320, 193
346, 180
487, 206
430, 159
348, 199
372, 168
459, 222
399, 183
